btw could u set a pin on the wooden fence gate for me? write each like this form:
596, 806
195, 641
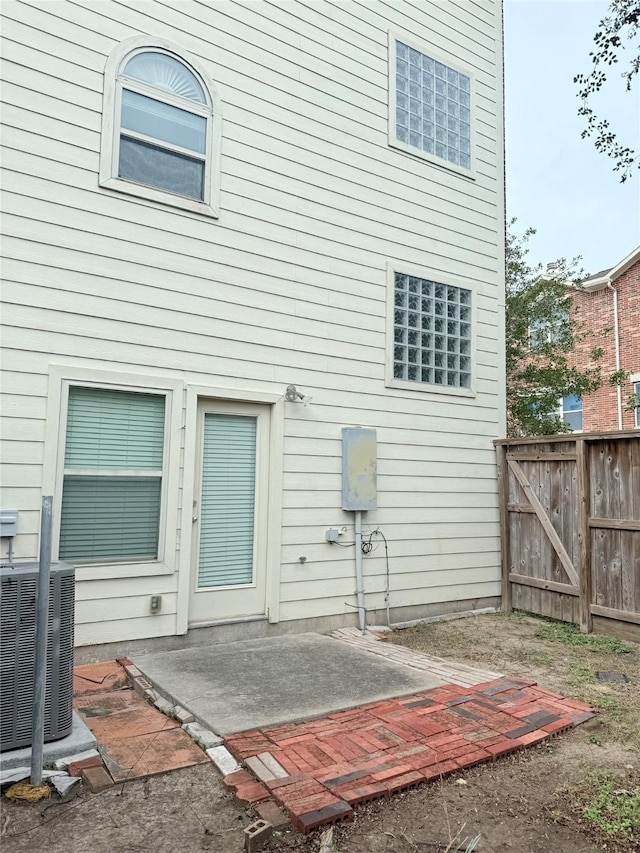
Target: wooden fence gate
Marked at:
570, 526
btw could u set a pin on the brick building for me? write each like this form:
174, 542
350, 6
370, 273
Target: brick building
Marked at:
609, 306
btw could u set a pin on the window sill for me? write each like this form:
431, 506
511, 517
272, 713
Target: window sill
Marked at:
469, 174
165, 198
108, 571
425, 388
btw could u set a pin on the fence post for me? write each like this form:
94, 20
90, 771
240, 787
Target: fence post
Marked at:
42, 628
503, 495
584, 535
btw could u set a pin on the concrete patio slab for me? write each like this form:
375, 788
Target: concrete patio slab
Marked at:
255, 683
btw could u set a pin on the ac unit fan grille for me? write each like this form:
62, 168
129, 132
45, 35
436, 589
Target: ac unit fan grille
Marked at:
17, 654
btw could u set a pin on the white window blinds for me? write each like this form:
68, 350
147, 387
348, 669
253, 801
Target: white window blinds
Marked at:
228, 495
112, 476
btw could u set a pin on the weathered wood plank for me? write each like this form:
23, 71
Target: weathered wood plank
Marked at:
634, 478
584, 537
546, 523
594, 508
553, 439
512, 507
617, 628
615, 523
540, 583
503, 493
628, 574
615, 613
541, 457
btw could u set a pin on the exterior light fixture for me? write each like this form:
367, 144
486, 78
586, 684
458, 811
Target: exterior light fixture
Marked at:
292, 395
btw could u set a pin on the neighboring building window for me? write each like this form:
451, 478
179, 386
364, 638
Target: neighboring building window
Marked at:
571, 412
542, 332
432, 332
161, 128
432, 106
636, 391
113, 474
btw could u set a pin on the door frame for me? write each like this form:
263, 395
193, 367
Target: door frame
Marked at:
194, 394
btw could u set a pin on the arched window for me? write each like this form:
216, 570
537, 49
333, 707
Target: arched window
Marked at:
161, 127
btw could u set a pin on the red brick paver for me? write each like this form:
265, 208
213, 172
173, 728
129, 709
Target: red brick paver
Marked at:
99, 678
134, 738
377, 750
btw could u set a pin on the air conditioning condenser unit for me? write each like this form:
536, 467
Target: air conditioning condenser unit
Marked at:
17, 653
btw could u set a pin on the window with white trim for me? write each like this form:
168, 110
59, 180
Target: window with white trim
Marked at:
636, 392
432, 325
571, 412
113, 476
431, 103
161, 127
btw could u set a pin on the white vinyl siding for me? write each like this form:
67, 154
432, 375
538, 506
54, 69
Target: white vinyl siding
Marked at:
113, 466
227, 502
289, 285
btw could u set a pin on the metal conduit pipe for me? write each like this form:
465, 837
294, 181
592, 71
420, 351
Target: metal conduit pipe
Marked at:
359, 576
616, 332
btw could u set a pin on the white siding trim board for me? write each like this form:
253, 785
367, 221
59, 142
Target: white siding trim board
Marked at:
342, 67
334, 49
285, 73
27, 64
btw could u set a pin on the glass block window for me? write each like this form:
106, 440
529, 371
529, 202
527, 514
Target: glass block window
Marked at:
432, 332
433, 106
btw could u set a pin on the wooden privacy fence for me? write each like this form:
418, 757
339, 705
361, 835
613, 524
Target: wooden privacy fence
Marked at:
570, 526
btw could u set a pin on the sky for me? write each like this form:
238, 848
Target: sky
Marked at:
557, 182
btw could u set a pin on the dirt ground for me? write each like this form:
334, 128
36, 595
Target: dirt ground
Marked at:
532, 802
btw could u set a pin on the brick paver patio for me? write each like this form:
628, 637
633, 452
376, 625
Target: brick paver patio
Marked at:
319, 770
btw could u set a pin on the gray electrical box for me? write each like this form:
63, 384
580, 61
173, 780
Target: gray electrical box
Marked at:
8, 523
359, 469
